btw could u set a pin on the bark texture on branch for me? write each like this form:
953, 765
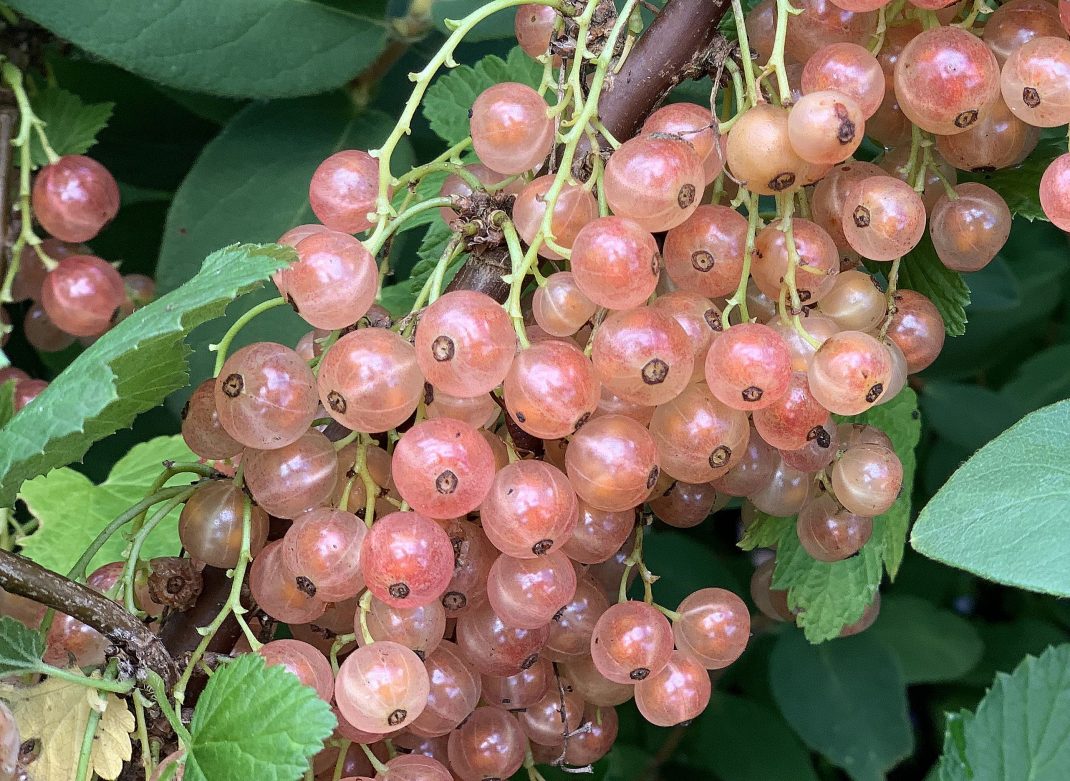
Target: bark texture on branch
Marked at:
28, 579
675, 47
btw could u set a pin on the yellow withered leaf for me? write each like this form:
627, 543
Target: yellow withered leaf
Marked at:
56, 712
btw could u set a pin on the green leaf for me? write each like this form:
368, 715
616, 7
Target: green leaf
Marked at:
953, 765
20, 648
968, 415
901, 421
128, 370
1007, 642
250, 48
994, 288
765, 532
740, 740
71, 126
498, 26
845, 699
449, 99
627, 763
931, 644
72, 511
1002, 515
398, 299
1020, 727
251, 184
1042, 379
684, 565
921, 270
7, 402
256, 722
1020, 186
829, 596
431, 248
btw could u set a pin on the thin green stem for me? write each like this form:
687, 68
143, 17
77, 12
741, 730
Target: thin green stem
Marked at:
520, 265
371, 490
786, 208
159, 691
423, 206
224, 344
379, 767
78, 571
339, 643
340, 763
83, 771
893, 283
101, 684
422, 80
738, 16
127, 578
776, 59
454, 249
672, 615
739, 298
579, 125
450, 157
13, 76
364, 606
629, 563
143, 735
232, 605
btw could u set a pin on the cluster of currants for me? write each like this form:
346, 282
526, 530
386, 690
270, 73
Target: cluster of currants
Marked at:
72, 294
448, 511
982, 95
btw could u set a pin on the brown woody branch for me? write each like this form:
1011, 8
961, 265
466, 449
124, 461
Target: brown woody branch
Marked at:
28, 579
678, 45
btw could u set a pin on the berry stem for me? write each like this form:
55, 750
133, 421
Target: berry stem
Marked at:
126, 580
142, 734
83, 772
452, 251
339, 643
232, 605
371, 490
340, 763
738, 17
100, 684
407, 214
77, 572
378, 766
422, 80
739, 298
776, 65
29, 120
159, 691
786, 208
364, 606
672, 615
223, 346
28, 579
893, 281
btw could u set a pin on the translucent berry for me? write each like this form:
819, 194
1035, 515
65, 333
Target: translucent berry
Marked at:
510, 129
74, 197
344, 190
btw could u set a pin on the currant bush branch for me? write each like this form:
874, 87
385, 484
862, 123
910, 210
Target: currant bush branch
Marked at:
231, 606
422, 80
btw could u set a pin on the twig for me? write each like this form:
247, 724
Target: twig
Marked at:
28, 579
